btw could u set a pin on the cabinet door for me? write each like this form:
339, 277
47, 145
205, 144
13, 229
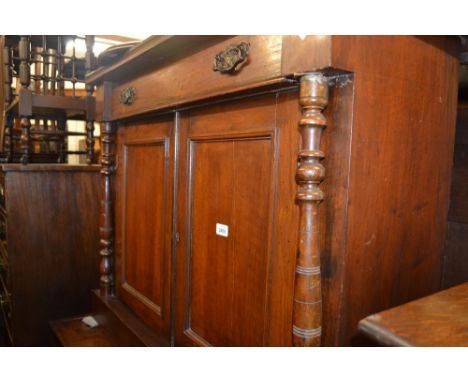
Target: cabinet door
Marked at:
236, 223
143, 224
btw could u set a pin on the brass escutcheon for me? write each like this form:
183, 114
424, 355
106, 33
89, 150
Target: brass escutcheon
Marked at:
228, 61
128, 96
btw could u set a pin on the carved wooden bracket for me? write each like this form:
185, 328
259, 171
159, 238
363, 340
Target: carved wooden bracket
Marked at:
229, 60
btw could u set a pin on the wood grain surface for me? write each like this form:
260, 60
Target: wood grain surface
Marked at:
440, 319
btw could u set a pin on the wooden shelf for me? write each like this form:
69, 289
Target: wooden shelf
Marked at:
118, 326
48, 167
72, 332
53, 106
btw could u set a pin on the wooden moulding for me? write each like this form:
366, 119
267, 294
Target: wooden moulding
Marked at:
307, 313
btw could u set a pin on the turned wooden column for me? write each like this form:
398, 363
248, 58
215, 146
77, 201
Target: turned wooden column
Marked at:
60, 64
61, 125
7, 74
9, 141
8, 98
89, 65
307, 316
24, 51
106, 228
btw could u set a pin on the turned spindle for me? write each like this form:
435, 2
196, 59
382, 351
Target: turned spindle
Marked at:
60, 64
307, 316
89, 66
7, 74
8, 98
61, 126
24, 52
25, 124
106, 228
9, 142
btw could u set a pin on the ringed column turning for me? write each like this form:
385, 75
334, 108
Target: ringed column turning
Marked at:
307, 314
25, 112
90, 60
106, 228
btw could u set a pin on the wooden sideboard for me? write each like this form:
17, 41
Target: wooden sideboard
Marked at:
49, 236
273, 190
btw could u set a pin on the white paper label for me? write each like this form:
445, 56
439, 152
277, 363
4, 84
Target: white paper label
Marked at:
222, 230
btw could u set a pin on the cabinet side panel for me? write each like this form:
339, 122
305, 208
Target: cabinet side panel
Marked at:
53, 242
336, 145
402, 148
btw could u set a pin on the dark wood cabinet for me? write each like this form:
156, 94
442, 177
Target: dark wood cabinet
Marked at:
280, 201
48, 245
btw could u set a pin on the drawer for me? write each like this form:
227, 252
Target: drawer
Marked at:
193, 78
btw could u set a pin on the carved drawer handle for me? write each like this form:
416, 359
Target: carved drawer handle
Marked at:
229, 60
128, 96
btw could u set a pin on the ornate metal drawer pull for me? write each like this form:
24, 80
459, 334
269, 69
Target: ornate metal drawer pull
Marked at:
128, 96
229, 60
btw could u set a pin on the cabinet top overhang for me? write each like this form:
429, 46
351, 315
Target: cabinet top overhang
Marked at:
296, 54
169, 72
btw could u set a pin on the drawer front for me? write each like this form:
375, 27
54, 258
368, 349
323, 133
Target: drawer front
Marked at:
195, 77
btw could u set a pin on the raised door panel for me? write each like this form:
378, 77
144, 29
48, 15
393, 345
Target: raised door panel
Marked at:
144, 219
229, 198
230, 268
